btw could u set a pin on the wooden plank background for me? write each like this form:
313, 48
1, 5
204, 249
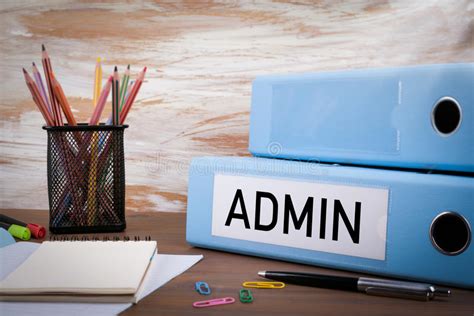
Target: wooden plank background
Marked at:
202, 57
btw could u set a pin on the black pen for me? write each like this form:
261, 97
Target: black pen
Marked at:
380, 287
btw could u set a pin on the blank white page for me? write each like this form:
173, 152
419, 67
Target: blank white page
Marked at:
84, 267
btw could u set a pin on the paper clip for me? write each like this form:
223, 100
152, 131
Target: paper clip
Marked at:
245, 296
202, 288
264, 285
214, 302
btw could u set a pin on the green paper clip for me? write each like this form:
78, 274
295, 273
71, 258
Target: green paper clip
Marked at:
245, 296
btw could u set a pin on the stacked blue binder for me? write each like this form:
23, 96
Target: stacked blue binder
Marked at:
383, 184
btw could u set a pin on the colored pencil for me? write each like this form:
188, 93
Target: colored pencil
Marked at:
97, 81
62, 100
91, 151
39, 83
115, 97
132, 96
101, 103
129, 89
92, 183
123, 87
47, 117
56, 114
47, 74
38, 99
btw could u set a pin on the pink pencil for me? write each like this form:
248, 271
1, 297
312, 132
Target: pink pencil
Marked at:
39, 83
132, 96
101, 102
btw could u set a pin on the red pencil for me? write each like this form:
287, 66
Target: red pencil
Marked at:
132, 96
38, 99
47, 74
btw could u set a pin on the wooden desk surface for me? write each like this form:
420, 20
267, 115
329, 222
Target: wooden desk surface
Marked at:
225, 273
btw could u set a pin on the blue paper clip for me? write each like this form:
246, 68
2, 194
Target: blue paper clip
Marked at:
202, 288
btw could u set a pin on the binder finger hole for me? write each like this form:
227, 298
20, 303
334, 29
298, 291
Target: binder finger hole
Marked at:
446, 116
450, 233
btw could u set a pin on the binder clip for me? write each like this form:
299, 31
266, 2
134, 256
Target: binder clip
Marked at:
245, 296
264, 285
202, 288
214, 302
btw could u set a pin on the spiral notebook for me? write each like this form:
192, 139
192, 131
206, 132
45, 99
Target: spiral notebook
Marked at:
86, 271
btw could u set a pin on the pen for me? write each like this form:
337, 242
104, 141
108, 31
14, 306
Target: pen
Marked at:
37, 231
17, 231
371, 286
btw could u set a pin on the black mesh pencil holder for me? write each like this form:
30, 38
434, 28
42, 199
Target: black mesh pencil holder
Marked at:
86, 179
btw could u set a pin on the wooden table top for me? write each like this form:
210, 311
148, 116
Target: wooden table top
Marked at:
225, 273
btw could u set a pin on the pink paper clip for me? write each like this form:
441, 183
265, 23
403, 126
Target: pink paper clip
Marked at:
214, 302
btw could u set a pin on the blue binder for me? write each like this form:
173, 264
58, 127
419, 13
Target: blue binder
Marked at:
413, 117
394, 223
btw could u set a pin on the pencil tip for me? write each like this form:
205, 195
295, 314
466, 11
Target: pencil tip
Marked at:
42, 47
24, 71
144, 69
128, 67
115, 69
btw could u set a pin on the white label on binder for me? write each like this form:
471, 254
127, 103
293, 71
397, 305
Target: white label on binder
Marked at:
340, 219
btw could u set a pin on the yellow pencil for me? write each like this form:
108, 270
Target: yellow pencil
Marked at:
92, 185
92, 193
97, 81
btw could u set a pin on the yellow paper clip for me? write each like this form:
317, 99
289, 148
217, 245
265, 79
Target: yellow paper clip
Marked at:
264, 285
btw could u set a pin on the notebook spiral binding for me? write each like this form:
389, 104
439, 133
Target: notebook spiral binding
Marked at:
98, 238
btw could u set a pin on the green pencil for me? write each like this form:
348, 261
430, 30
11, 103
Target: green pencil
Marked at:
123, 87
